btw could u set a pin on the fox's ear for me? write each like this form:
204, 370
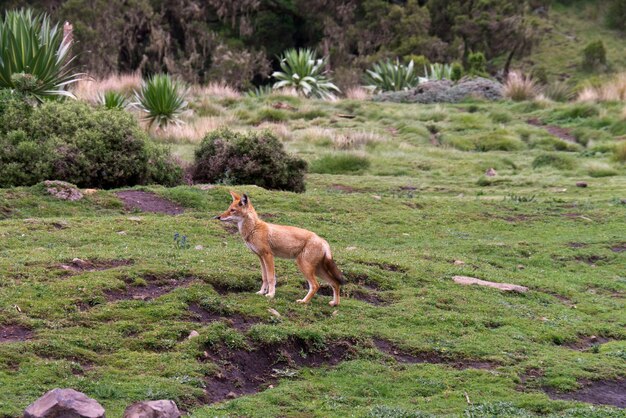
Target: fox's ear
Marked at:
244, 199
234, 195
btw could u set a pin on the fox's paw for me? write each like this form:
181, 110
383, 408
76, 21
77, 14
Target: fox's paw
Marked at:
261, 292
333, 303
301, 301
269, 295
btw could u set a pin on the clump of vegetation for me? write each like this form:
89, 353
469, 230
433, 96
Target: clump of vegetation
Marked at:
74, 142
611, 90
616, 15
457, 72
162, 100
438, 71
340, 163
519, 87
113, 100
601, 170
35, 57
562, 162
477, 64
389, 76
558, 91
594, 56
259, 158
619, 152
304, 72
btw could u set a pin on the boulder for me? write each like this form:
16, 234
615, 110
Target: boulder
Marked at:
445, 91
63, 190
66, 403
464, 280
152, 409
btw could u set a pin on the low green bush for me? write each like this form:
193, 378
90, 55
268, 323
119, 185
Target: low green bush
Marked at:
594, 56
73, 142
619, 152
254, 157
562, 162
618, 128
340, 164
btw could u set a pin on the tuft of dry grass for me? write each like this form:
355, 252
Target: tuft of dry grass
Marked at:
358, 93
216, 89
193, 130
279, 129
519, 87
343, 140
90, 89
613, 90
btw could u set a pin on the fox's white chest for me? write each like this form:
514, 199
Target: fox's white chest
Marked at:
252, 247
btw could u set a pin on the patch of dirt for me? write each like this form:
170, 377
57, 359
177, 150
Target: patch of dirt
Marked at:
590, 259
243, 372
599, 392
619, 248
585, 343
431, 357
408, 188
343, 188
371, 297
385, 266
577, 244
362, 280
414, 205
148, 202
80, 265
555, 130
154, 287
237, 321
530, 375
224, 288
14, 333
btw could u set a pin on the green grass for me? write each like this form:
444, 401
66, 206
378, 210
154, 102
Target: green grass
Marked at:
419, 205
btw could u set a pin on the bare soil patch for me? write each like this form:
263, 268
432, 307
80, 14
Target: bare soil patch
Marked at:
431, 357
362, 280
14, 333
371, 297
577, 244
148, 202
587, 342
244, 372
529, 376
237, 321
154, 287
555, 130
343, 188
80, 265
619, 248
599, 392
385, 266
590, 258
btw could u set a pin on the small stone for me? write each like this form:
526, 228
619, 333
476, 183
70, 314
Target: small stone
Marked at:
459, 263
152, 409
199, 247
135, 218
581, 184
350, 248
623, 201
82, 264
274, 312
193, 334
122, 232
375, 196
406, 235
64, 403
231, 395
544, 319
335, 313
491, 172
593, 339
63, 190
461, 195
464, 280
206, 186
520, 267
89, 192
205, 354
270, 387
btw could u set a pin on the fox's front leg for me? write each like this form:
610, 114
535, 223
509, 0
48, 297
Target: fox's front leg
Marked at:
268, 259
265, 286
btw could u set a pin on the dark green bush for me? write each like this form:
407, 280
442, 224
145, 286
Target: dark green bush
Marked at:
477, 64
616, 15
594, 56
457, 72
340, 164
254, 157
73, 142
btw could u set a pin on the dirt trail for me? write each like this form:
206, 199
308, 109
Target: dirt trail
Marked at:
148, 202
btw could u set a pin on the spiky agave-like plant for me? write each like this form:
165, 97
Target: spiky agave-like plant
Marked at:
390, 76
112, 99
303, 71
35, 57
162, 99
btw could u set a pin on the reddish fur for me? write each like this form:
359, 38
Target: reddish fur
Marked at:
266, 240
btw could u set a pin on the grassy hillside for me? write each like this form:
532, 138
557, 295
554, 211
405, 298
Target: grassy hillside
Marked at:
406, 340
570, 29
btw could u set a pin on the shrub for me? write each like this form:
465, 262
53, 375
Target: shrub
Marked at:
594, 56
113, 100
497, 141
577, 111
519, 87
601, 170
438, 72
387, 76
558, 91
162, 100
500, 116
540, 73
340, 164
254, 157
303, 71
562, 162
73, 142
616, 15
618, 128
619, 152
457, 72
35, 57
477, 64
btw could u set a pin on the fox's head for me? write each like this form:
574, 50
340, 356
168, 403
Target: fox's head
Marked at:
237, 210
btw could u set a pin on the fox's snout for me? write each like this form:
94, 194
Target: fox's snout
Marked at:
218, 217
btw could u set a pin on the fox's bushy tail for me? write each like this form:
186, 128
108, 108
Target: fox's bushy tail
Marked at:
333, 271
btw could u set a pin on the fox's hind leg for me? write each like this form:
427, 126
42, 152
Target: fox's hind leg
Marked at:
265, 285
334, 284
308, 270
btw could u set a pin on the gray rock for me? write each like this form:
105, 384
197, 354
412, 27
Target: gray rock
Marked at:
445, 91
63, 190
152, 409
64, 403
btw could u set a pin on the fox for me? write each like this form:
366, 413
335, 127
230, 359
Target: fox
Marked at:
267, 240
